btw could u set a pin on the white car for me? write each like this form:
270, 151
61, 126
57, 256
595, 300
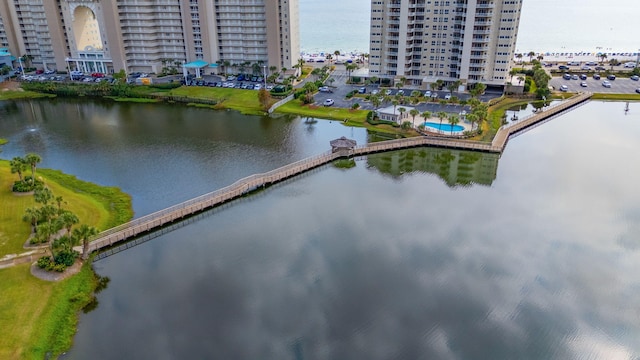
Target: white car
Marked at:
447, 97
257, 87
427, 93
630, 64
606, 84
564, 88
328, 102
374, 92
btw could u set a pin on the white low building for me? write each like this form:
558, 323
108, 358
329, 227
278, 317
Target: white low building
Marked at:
391, 113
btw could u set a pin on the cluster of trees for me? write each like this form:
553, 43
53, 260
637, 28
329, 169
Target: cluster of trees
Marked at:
19, 165
50, 222
170, 66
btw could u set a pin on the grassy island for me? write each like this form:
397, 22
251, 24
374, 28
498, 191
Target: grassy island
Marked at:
38, 318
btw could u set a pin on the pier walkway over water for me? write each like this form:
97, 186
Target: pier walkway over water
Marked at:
242, 187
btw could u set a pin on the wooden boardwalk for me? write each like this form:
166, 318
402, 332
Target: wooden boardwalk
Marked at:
507, 131
242, 187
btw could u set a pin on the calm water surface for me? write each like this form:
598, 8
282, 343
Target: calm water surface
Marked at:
417, 254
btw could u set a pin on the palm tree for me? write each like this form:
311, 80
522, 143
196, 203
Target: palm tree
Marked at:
272, 69
401, 110
451, 87
43, 195
376, 100
414, 112
519, 56
441, 115
602, 57
67, 219
531, 54
433, 86
540, 57
520, 79
18, 165
439, 83
395, 103
84, 232
349, 68
472, 118
329, 57
453, 120
426, 115
32, 215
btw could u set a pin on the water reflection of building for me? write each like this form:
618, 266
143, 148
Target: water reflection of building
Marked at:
455, 167
148, 35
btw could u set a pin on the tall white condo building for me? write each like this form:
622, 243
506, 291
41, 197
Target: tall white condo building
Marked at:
423, 41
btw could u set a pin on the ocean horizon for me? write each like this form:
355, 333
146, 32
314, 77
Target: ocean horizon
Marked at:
546, 26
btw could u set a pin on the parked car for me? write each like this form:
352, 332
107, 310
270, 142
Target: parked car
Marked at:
583, 77
566, 76
611, 77
257, 86
600, 68
388, 92
638, 90
564, 88
427, 93
400, 92
362, 90
596, 76
97, 75
573, 63
635, 77
374, 92
583, 84
328, 102
325, 89
447, 97
434, 95
586, 68
563, 67
630, 64
606, 84
49, 72
574, 77
591, 63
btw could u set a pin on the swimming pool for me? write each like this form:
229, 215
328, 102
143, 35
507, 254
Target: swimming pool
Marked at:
444, 126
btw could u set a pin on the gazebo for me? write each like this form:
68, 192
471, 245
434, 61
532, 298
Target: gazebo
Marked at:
342, 144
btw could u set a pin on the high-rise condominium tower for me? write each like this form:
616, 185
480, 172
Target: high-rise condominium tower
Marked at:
147, 35
424, 41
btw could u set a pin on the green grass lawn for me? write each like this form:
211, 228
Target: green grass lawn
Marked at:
38, 317
603, 96
15, 95
244, 101
334, 113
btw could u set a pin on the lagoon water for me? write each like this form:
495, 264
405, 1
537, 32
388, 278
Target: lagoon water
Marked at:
418, 254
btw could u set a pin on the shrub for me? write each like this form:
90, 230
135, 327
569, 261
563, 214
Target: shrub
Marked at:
26, 185
45, 263
66, 257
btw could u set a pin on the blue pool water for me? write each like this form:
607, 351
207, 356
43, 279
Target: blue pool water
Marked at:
443, 126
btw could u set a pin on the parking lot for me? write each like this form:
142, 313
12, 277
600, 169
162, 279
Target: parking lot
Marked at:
618, 86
